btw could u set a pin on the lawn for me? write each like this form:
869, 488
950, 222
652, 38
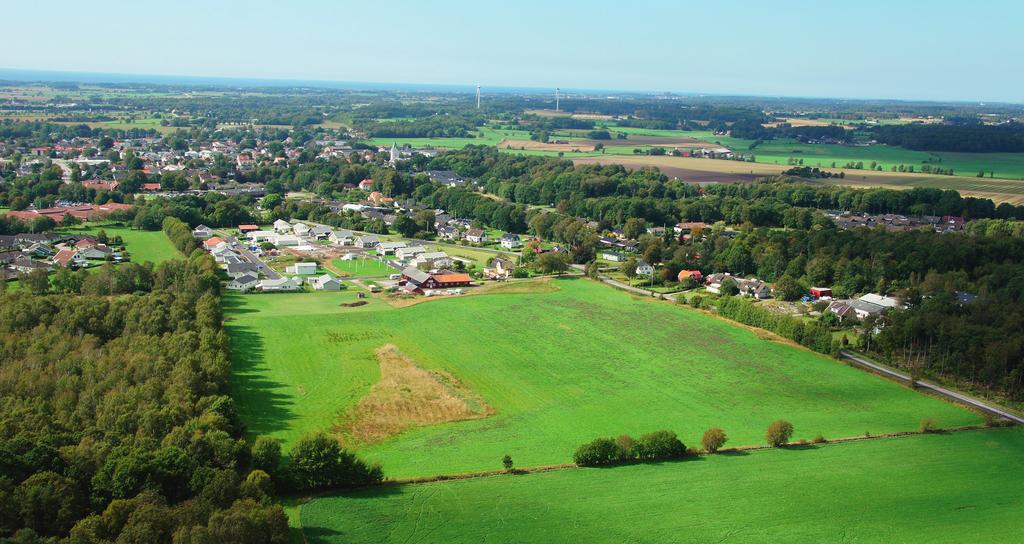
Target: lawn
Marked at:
963, 487
557, 368
363, 267
142, 245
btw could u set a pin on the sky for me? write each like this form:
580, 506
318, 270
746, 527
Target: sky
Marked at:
902, 49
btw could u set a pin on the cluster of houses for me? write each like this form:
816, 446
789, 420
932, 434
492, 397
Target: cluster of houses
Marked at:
899, 223
23, 253
860, 308
753, 288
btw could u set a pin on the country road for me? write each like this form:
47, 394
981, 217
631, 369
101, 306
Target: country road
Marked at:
950, 394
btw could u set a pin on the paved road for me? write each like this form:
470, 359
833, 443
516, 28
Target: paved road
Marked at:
263, 267
954, 395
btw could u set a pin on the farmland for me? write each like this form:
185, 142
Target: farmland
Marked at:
963, 487
557, 368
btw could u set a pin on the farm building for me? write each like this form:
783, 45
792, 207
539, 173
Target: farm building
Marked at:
689, 275
281, 226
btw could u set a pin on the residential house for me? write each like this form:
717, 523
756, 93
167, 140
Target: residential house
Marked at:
447, 232
301, 229
287, 240
239, 269
433, 259
389, 248
713, 283
476, 236
500, 268
280, 284
325, 282
366, 184
202, 232
302, 269
212, 242
257, 236
281, 226
644, 269
69, 258
40, 250
511, 241
342, 237
613, 256
753, 288
321, 232
689, 275
245, 229
856, 308
368, 241
407, 253
244, 282
24, 264
881, 300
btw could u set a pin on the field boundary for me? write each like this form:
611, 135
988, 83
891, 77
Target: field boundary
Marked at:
949, 394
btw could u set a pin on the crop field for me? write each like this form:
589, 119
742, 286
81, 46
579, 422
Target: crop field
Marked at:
963, 487
485, 136
142, 245
555, 368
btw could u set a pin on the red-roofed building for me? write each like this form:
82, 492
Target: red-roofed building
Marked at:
100, 185
153, 187
68, 258
211, 243
366, 184
248, 228
687, 275
446, 281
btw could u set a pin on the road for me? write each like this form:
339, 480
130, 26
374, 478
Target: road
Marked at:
263, 267
939, 390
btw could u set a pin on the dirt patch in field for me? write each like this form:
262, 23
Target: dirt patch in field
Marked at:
408, 396
690, 169
579, 145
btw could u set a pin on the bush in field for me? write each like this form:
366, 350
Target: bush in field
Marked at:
928, 425
266, 454
779, 433
599, 452
713, 439
318, 462
659, 445
506, 462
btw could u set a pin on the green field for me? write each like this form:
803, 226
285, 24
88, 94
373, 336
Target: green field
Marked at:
558, 368
964, 487
142, 245
363, 267
486, 136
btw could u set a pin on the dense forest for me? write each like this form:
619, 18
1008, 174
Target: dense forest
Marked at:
964, 137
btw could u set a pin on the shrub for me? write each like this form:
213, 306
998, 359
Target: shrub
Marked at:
713, 439
928, 425
600, 451
659, 445
626, 444
818, 439
779, 433
317, 462
506, 462
266, 454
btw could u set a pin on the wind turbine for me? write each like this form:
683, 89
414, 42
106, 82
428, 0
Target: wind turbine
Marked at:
477, 96
556, 99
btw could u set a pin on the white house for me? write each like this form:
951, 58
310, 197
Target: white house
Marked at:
342, 237
388, 248
301, 229
435, 259
367, 242
302, 269
476, 236
258, 236
613, 256
202, 232
284, 240
406, 253
281, 284
321, 232
245, 282
511, 241
325, 283
281, 226
881, 300
644, 269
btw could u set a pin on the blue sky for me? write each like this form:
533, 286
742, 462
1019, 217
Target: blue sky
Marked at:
941, 50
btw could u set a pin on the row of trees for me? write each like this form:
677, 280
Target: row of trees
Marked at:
656, 446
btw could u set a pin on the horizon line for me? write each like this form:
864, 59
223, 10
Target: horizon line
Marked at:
54, 76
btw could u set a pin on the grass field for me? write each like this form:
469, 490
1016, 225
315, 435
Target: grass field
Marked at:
363, 267
142, 245
963, 487
558, 368
486, 136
